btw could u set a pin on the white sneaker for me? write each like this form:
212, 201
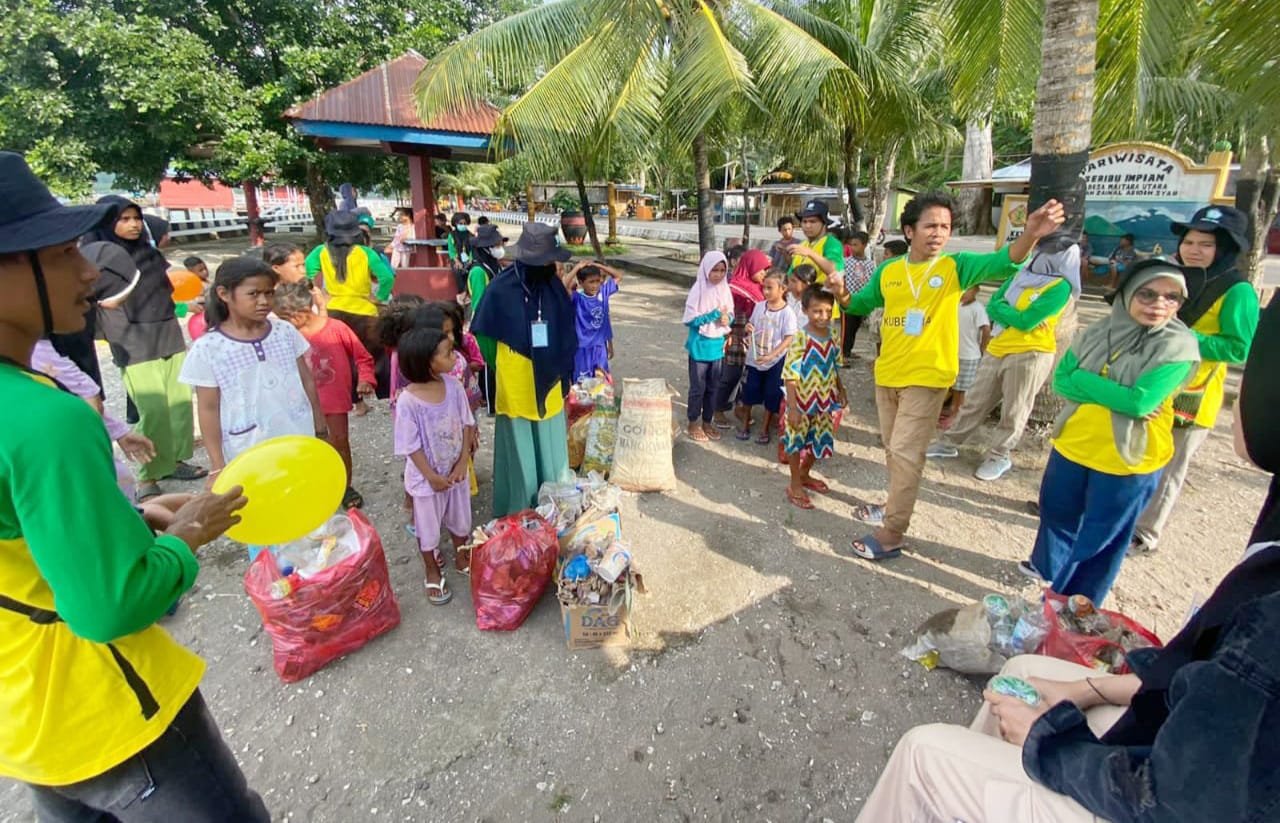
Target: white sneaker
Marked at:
939, 449
993, 468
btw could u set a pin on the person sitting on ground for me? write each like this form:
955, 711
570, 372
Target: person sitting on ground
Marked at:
920, 294
1222, 312
1020, 356
1122, 257
1191, 735
1113, 436
814, 394
975, 332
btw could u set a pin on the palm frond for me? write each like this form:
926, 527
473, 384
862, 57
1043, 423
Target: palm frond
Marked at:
708, 72
993, 50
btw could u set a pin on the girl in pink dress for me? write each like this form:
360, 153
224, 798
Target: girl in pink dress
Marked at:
435, 432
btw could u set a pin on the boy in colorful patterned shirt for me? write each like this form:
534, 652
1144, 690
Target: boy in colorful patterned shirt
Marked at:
814, 395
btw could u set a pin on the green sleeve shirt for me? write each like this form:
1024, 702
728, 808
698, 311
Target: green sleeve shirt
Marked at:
477, 280
1139, 400
382, 272
1238, 322
312, 262
110, 576
973, 267
1050, 302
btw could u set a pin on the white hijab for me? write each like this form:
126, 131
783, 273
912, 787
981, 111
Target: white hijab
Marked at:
706, 296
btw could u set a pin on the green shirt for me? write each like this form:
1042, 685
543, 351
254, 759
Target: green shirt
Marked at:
109, 574
477, 282
1237, 321
1051, 301
1139, 400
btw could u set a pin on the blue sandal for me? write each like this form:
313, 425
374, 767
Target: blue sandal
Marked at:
869, 548
870, 514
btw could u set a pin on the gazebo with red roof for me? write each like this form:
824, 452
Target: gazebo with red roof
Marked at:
375, 113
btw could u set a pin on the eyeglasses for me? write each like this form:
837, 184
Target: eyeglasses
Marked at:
1148, 297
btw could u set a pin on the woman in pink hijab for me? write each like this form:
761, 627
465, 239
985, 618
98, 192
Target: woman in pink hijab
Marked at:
745, 285
708, 311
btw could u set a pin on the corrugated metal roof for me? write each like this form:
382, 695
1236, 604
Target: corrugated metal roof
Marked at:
383, 96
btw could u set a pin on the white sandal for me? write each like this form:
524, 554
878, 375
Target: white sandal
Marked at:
443, 593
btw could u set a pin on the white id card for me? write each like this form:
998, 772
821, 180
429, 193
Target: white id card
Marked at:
915, 322
538, 335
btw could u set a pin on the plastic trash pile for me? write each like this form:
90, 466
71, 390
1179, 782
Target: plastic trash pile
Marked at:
981, 637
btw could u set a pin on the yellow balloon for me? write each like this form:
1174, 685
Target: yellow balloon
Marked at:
294, 484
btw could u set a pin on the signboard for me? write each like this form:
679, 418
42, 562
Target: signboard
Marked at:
1013, 218
1140, 189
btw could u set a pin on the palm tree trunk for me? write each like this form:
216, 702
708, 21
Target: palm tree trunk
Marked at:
746, 196
880, 182
852, 156
1062, 130
1256, 196
580, 180
978, 164
706, 215
1064, 107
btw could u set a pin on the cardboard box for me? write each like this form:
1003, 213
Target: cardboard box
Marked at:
590, 627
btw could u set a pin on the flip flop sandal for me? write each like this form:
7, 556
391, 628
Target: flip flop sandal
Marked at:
443, 593
763, 438
816, 486
698, 435
743, 435
722, 424
146, 491
186, 471
870, 514
800, 501
412, 530
352, 499
868, 548
711, 433
465, 572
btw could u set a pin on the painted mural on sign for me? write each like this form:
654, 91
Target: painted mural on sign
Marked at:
1139, 189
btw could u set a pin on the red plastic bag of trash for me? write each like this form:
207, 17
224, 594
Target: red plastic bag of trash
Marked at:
316, 620
1092, 637
511, 570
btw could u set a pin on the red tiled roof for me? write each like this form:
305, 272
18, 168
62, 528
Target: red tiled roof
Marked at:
383, 96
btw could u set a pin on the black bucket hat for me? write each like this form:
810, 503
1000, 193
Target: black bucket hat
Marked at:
537, 246
1215, 219
487, 236
31, 218
815, 208
342, 226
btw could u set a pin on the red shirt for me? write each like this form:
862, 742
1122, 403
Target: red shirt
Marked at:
333, 348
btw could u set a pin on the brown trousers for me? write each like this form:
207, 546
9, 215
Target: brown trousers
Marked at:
908, 420
1010, 382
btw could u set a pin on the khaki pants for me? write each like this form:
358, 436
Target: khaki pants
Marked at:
1012, 382
908, 420
1186, 441
943, 774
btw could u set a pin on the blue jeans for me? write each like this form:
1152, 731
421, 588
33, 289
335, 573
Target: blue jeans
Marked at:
188, 774
1087, 519
704, 379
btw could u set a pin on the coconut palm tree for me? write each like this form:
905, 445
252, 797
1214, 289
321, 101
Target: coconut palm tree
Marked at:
588, 78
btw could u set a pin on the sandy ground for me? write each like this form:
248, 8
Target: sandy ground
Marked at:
765, 681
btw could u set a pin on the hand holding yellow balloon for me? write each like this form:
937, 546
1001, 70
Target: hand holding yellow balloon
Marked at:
187, 285
294, 484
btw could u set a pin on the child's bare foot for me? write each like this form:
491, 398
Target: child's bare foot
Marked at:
361, 408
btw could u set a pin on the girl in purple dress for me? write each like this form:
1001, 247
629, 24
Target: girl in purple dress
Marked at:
596, 283
435, 432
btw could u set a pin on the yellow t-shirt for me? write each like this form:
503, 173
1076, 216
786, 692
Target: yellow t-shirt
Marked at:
931, 358
1087, 439
830, 248
1041, 338
1210, 377
354, 294
515, 391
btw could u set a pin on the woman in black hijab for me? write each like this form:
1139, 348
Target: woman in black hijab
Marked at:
1198, 732
148, 347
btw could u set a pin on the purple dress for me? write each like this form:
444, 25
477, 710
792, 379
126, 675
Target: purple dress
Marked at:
594, 330
435, 429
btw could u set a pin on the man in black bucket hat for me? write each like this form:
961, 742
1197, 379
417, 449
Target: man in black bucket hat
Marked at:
1222, 311
103, 716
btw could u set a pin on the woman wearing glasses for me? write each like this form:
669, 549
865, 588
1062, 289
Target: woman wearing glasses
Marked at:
1114, 434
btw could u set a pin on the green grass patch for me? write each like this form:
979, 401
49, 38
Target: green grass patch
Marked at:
610, 249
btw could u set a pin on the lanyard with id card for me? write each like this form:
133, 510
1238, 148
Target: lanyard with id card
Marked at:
913, 325
538, 333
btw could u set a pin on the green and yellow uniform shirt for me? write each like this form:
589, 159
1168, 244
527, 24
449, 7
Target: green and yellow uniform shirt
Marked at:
515, 395
86, 678
1225, 333
1087, 437
830, 248
920, 335
1032, 324
353, 294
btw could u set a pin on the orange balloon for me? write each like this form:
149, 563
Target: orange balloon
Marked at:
187, 285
